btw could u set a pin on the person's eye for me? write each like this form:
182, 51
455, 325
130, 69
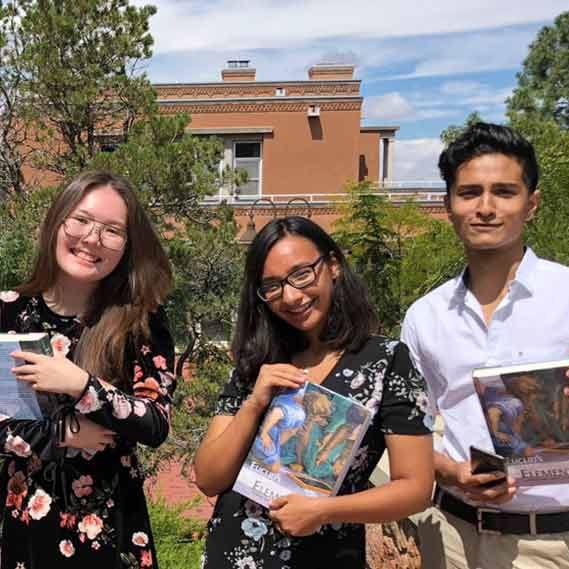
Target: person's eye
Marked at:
114, 231
270, 288
81, 220
301, 275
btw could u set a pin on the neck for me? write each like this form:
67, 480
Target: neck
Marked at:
69, 298
490, 272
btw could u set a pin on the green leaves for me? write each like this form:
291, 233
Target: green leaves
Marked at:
543, 83
400, 252
79, 64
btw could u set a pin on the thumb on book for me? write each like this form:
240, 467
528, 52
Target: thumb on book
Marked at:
278, 503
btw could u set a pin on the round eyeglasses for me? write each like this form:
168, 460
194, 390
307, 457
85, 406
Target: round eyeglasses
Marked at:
299, 278
109, 237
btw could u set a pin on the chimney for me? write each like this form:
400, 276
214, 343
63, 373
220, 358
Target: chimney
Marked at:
331, 72
238, 70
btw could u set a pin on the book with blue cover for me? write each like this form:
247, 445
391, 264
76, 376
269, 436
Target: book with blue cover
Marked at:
304, 445
526, 407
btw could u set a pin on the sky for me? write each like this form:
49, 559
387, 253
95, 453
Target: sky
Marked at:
423, 65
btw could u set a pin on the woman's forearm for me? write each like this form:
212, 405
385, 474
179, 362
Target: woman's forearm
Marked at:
221, 454
389, 502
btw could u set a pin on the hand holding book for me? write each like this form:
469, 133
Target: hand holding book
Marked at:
297, 515
273, 377
50, 373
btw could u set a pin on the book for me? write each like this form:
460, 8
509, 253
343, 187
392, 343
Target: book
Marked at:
304, 445
526, 407
18, 399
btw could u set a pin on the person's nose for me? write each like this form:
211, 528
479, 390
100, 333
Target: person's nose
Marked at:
93, 235
486, 206
291, 294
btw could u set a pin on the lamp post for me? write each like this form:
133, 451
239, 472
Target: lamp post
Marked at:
250, 231
303, 200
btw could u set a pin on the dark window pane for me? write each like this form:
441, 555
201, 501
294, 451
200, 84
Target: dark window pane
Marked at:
247, 149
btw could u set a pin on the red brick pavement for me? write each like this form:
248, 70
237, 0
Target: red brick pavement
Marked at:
175, 488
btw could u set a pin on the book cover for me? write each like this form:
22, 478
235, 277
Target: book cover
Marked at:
526, 408
304, 445
17, 398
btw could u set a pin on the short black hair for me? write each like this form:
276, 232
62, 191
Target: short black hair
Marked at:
262, 338
486, 138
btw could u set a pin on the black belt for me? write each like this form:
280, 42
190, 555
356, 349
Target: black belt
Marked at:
488, 520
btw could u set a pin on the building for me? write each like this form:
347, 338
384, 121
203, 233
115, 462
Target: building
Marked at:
299, 141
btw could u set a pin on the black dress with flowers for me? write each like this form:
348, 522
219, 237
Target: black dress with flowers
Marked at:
82, 508
380, 376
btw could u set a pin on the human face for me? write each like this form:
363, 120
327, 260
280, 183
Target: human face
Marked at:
83, 259
305, 309
489, 203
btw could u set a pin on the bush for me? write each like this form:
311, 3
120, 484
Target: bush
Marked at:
179, 540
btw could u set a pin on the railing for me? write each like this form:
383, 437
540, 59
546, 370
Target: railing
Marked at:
420, 192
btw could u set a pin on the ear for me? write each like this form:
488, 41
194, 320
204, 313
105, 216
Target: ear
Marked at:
334, 266
533, 204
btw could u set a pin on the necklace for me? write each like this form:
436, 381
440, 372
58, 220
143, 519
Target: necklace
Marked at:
318, 372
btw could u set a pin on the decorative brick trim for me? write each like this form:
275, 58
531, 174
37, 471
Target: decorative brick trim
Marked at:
264, 107
237, 90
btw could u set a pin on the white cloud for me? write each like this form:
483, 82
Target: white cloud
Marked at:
252, 24
452, 99
416, 159
394, 107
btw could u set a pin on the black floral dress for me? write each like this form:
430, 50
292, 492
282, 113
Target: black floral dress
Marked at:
241, 534
74, 508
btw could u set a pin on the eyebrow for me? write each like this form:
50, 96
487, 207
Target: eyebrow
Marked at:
293, 269
85, 213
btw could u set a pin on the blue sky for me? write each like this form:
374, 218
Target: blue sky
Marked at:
423, 65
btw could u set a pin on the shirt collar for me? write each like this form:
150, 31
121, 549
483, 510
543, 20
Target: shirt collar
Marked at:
525, 277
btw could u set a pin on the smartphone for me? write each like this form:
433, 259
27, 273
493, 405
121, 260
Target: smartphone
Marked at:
484, 462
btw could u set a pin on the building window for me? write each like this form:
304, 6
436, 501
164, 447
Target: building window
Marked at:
280, 92
247, 156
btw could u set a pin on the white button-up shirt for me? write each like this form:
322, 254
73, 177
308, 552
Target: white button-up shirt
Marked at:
448, 337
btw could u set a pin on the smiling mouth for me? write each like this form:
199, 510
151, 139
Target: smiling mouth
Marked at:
298, 311
84, 256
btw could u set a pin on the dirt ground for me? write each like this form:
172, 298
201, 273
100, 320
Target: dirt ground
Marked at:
392, 546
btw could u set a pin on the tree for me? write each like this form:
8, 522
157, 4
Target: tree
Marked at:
13, 132
543, 83
400, 251
547, 233
171, 169
78, 67
363, 231
453, 131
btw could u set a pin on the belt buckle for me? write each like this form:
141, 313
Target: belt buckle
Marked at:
480, 520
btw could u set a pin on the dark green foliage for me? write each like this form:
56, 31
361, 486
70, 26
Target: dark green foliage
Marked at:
400, 251
543, 84
453, 131
547, 233
19, 217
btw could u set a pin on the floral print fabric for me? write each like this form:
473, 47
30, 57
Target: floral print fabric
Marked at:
240, 532
83, 508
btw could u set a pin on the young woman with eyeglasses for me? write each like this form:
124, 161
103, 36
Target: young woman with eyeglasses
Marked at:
304, 316
71, 484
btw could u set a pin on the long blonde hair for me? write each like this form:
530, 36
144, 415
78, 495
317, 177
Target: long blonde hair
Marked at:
119, 308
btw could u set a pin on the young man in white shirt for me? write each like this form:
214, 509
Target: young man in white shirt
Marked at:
508, 306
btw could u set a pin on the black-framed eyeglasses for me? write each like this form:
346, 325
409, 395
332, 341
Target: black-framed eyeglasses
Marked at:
81, 227
299, 278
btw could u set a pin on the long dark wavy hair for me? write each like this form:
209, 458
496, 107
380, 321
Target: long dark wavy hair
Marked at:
261, 337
